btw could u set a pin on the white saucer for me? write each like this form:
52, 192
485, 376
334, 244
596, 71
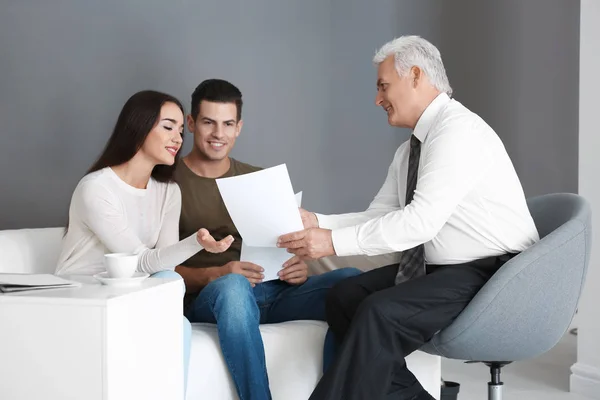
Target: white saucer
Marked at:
136, 279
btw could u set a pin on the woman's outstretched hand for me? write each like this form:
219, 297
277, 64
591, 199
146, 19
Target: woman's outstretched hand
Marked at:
210, 244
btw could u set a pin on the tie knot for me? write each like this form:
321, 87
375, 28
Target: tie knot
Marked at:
414, 142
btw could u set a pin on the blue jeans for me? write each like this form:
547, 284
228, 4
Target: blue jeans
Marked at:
237, 308
187, 328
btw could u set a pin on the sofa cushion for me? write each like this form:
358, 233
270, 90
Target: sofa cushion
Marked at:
294, 355
30, 250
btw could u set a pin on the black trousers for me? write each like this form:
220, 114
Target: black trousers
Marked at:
378, 324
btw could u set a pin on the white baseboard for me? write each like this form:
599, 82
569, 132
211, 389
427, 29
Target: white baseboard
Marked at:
585, 380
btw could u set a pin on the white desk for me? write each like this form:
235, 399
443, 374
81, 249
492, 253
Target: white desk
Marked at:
93, 342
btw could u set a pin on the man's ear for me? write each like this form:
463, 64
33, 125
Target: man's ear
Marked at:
191, 124
416, 74
238, 128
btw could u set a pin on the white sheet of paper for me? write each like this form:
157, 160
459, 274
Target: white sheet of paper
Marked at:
262, 205
299, 201
270, 258
34, 280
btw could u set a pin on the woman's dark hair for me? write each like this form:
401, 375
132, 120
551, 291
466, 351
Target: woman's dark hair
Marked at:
137, 118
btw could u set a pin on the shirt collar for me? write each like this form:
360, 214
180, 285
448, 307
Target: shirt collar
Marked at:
426, 120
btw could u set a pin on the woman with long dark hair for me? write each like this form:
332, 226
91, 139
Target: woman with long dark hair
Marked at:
128, 202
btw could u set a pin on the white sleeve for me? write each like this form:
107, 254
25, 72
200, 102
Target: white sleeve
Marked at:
169, 230
103, 214
452, 165
384, 202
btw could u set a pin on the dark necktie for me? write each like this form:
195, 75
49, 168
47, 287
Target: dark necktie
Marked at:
412, 261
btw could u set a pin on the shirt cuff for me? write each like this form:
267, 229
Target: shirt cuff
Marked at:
321, 220
326, 221
345, 242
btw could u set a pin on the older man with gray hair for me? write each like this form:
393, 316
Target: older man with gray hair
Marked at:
452, 203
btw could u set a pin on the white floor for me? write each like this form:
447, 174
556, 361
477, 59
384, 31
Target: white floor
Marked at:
544, 378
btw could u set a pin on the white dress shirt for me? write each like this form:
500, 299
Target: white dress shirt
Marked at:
468, 203
109, 216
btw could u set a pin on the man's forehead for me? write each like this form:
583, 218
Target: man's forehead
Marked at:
218, 111
383, 77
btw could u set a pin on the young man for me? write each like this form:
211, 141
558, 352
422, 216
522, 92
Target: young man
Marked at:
452, 204
220, 288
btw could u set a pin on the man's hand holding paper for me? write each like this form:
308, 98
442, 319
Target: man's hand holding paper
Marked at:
308, 244
294, 272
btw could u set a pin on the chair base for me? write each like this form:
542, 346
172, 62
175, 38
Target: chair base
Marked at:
495, 391
495, 385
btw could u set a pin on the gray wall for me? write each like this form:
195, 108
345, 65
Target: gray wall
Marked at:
516, 63
305, 70
68, 67
360, 145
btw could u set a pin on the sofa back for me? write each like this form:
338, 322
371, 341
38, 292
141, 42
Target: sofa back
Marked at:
30, 250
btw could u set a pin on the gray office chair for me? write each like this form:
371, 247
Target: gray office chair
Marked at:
527, 306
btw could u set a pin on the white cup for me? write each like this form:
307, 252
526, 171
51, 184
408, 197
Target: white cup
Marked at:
120, 265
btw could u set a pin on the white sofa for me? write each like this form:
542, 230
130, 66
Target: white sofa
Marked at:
293, 349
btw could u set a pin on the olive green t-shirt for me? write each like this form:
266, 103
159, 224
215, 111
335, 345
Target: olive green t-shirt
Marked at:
203, 207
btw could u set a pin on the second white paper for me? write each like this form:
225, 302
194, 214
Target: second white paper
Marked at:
270, 258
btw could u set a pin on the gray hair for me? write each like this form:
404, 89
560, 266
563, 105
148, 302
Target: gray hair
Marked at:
409, 51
